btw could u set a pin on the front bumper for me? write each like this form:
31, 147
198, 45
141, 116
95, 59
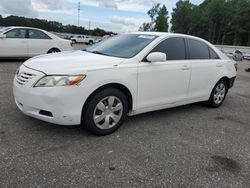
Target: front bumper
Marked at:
58, 105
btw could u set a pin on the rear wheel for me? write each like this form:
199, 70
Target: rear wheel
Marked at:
105, 111
91, 42
53, 50
218, 94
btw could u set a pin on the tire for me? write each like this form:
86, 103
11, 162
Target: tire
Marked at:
218, 94
90, 42
105, 111
53, 50
73, 41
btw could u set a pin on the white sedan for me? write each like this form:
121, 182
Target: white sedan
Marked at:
125, 75
28, 42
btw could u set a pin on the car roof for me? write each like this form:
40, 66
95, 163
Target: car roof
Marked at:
23, 27
166, 34
18, 27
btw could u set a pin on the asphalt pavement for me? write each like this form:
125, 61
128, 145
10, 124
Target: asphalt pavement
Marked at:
189, 146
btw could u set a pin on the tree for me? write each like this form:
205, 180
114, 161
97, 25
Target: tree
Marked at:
159, 19
146, 27
49, 25
161, 22
182, 18
218, 21
98, 32
1, 19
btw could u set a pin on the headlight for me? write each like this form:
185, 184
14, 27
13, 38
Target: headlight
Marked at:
51, 81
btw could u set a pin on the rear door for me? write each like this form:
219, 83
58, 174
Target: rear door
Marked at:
39, 42
15, 44
206, 67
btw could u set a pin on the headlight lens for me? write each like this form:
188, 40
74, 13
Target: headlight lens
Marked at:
51, 81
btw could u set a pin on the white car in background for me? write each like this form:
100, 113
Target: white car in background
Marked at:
246, 56
83, 39
105, 37
127, 74
28, 42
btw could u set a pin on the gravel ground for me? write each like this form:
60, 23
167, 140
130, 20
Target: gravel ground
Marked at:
79, 46
189, 146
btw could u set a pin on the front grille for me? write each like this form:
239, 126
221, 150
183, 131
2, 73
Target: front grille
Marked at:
24, 77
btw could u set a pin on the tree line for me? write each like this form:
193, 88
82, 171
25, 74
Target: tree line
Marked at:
224, 22
50, 26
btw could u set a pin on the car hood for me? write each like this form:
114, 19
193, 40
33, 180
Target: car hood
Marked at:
75, 62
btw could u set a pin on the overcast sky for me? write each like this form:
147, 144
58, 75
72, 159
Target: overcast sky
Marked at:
113, 15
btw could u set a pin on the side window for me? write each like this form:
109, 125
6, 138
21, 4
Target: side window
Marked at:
16, 33
173, 47
35, 34
198, 49
213, 54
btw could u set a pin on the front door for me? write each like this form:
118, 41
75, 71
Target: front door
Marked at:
15, 44
162, 83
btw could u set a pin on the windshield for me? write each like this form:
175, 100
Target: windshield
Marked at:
124, 46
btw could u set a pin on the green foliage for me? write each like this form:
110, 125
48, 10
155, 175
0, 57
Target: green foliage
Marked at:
98, 32
161, 22
49, 26
218, 21
159, 19
182, 17
146, 27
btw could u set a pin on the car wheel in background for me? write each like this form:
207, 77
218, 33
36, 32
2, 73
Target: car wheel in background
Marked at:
91, 42
53, 50
105, 111
218, 94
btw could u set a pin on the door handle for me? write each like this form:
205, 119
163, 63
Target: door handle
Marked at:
185, 67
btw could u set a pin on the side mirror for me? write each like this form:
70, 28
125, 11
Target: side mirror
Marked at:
157, 57
2, 36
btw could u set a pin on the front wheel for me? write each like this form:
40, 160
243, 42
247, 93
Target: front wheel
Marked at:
218, 94
105, 111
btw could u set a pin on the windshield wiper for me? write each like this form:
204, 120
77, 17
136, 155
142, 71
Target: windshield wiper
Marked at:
97, 52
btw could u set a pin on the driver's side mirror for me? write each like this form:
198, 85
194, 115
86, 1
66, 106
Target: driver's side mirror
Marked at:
2, 36
157, 57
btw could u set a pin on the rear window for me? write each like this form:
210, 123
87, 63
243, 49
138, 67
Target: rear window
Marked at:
36, 34
198, 49
213, 54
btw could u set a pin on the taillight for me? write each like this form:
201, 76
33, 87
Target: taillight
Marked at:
236, 66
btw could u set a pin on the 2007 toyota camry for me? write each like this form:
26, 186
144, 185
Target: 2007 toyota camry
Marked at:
125, 75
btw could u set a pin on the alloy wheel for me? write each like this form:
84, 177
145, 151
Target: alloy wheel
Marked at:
219, 93
108, 112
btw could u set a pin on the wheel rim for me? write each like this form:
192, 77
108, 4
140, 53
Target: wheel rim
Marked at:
219, 93
108, 112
